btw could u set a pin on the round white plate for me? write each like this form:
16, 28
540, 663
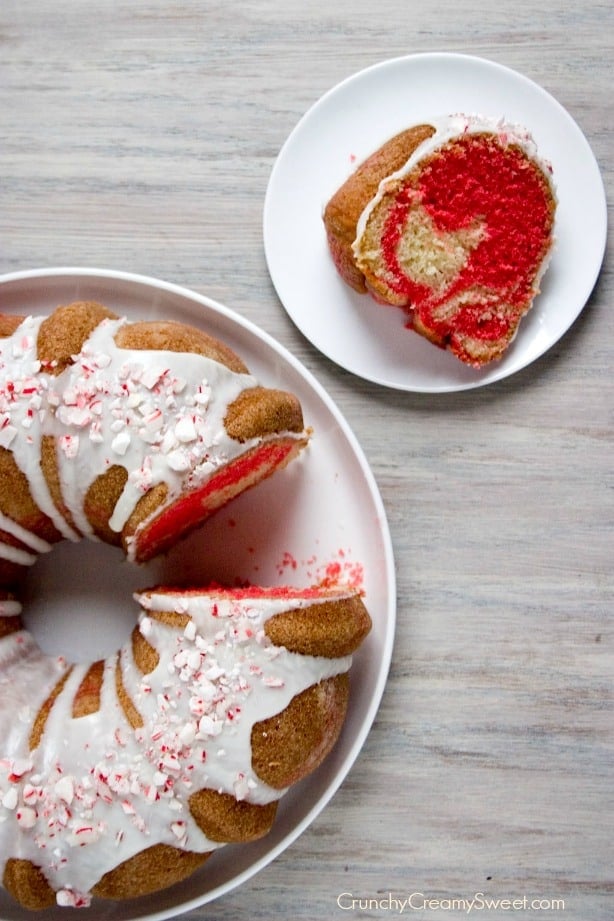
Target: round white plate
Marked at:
323, 511
342, 129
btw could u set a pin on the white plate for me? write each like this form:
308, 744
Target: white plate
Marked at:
324, 509
350, 122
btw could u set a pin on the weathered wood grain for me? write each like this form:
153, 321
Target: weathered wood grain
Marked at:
141, 136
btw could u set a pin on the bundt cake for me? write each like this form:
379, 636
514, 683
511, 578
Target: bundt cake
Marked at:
453, 222
120, 777
131, 433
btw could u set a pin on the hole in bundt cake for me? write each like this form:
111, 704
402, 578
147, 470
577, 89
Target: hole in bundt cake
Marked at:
75, 600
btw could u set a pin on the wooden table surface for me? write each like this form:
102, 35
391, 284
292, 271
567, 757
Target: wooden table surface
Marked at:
140, 136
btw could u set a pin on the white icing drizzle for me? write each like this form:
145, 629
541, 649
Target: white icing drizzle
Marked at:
26, 537
16, 554
446, 129
27, 677
23, 411
157, 413
96, 791
10, 608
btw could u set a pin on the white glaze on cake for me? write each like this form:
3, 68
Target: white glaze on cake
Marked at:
159, 414
96, 791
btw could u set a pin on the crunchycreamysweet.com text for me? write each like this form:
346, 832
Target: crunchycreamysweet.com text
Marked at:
467, 905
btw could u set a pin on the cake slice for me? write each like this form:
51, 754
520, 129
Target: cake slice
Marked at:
458, 236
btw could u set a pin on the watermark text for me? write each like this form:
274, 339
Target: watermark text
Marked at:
418, 901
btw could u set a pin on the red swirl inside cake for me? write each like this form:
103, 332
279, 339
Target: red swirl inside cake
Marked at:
453, 222
494, 195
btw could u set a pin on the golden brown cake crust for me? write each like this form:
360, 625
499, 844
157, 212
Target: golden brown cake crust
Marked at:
289, 746
153, 869
16, 500
259, 410
27, 885
170, 336
63, 332
146, 657
328, 628
87, 697
224, 819
8, 324
38, 727
347, 204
